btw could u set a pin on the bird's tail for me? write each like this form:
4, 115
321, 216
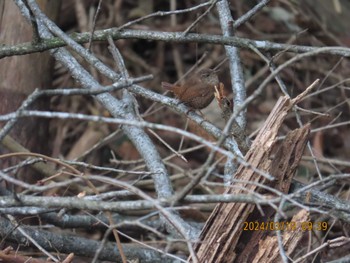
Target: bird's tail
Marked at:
167, 86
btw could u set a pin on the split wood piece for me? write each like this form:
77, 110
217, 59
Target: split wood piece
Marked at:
268, 246
282, 168
223, 231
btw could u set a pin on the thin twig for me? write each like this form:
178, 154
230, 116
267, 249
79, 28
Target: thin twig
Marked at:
94, 23
188, 29
244, 18
32, 240
163, 13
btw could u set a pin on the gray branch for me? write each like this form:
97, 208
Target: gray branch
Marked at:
170, 37
77, 245
236, 71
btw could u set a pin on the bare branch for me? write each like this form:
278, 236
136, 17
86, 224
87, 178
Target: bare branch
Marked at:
170, 37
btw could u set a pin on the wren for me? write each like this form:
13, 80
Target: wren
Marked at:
197, 91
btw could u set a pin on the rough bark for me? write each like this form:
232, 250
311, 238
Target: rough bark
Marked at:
223, 238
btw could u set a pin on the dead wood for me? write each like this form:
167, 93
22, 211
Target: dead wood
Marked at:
223, 238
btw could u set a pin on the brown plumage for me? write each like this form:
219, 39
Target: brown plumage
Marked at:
197, 91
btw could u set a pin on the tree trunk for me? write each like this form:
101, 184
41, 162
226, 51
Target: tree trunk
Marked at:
21, 75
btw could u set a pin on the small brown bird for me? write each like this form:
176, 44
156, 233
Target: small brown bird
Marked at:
197, 91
